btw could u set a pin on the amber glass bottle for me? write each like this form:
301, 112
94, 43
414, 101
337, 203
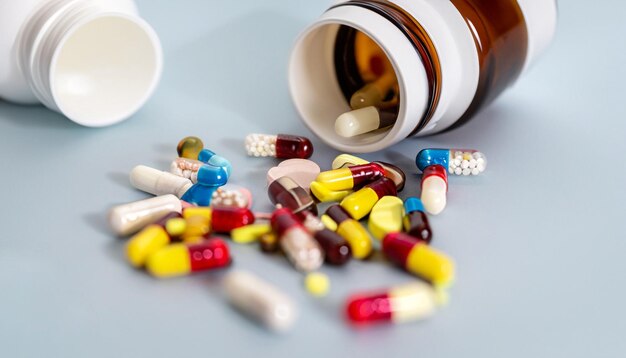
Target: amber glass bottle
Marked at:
448, 59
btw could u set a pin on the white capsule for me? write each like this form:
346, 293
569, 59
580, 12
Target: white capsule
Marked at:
157, 182
260, 300
362, 121
467, 171
434, 190
464, 164
475, 171
301, 249
129, 218
458, 171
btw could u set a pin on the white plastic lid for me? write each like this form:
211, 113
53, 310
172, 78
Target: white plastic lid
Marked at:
104, 69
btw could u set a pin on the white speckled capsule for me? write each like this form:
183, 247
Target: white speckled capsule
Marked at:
282, 146
186, 168
456, 161
157, 182
129, 218
260, 300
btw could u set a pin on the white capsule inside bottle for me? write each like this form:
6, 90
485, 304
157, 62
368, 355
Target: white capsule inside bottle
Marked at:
260, 300
363, 120
129, 218
157, 182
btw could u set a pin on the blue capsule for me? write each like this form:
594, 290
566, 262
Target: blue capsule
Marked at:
412, 204
209, 157
209, 179
456, 161
415, 221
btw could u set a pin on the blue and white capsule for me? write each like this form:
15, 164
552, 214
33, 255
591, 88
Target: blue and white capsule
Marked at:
457, 161
209, 157
209, 179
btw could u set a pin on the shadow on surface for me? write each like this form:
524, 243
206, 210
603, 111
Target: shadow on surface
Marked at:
33, 116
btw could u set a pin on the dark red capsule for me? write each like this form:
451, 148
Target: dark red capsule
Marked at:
286, 192
335, 247
291, 146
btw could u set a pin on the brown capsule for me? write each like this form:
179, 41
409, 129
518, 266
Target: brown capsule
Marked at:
286, 192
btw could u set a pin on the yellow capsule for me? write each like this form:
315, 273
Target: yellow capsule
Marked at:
193, 239
196, 226
317, 284
175, 226
359, 204
347, 160
182, 259
431, 264
197, 211
249, 233
352, 231
170, 261
145, 243
337, 179
418, 258
348, 178
374, 93
328, 222
323, 194
357, 237
386, 216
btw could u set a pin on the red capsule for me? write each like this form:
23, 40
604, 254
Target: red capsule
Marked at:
416, 257
296, 242
290, 146
335, 247
225, 219
360, 203
182, 259
282, 146
208, 255
399, 304
352, 177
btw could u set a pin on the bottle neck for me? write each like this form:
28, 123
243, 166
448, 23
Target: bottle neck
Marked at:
422, 43
69, 50
41, 37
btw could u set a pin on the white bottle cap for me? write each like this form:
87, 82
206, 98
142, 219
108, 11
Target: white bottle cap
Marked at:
90, 61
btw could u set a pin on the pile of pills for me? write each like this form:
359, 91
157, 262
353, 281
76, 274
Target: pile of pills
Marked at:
185, 228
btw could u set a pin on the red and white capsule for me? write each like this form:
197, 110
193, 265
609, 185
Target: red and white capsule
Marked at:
434, 188
405, 303
297, 243
283, 146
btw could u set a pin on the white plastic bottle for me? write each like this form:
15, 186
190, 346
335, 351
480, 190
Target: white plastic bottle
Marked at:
450, 58
95, 61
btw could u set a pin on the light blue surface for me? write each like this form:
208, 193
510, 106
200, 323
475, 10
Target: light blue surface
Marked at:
539, 239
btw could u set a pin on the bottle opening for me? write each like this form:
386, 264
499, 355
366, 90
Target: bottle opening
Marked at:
105, 69
330, 64
353, 50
